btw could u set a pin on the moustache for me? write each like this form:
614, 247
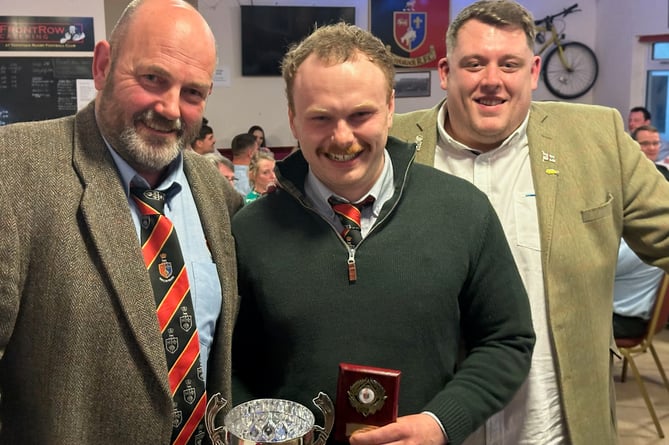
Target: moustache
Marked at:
343, 150
160, 123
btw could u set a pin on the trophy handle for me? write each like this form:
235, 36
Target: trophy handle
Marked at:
214, 405
323, 402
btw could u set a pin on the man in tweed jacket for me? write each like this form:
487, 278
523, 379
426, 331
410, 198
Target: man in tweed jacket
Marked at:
81, 356
567, 183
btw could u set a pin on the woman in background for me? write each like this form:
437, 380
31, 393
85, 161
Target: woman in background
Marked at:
261, 174
259, 134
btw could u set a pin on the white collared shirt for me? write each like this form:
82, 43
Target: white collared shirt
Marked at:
534, 416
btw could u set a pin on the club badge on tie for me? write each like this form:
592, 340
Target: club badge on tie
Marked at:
177, 415
171, 342
189, 393
185, 320
165, 269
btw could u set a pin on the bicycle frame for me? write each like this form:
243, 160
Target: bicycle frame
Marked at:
569, 68
556, 40
549, 42
556, 37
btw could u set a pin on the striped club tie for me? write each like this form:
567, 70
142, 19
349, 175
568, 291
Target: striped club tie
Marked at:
349, 215
176, 317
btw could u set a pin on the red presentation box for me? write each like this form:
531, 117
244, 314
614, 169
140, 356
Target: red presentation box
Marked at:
366, 397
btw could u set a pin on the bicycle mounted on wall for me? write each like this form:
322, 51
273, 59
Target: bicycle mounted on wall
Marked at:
570, 68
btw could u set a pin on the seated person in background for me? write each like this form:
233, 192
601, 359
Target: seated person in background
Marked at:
223, 164
636, 282
634, 293
204, 142
638, 116
261, 174
243, 146
648, 138
259, 134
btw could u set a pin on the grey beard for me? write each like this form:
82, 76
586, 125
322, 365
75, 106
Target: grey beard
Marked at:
147, 156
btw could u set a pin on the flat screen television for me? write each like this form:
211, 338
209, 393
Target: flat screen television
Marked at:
268, 31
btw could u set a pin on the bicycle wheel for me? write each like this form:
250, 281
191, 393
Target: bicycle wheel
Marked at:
575, 82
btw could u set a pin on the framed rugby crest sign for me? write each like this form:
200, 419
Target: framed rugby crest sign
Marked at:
415, 30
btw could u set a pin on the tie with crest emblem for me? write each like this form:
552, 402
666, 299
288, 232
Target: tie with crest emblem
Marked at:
176, 317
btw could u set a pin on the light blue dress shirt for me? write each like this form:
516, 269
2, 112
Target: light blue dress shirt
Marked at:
635, 286
242, 183
202, 272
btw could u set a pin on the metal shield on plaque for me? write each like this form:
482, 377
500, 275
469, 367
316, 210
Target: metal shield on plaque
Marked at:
269, 421
367, 397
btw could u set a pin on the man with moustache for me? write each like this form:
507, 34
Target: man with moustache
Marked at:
81, 354
430, 274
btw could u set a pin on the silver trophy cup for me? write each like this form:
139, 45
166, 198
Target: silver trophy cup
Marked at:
269, 421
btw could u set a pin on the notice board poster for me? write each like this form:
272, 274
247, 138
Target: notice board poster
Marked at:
37, 88
22, 33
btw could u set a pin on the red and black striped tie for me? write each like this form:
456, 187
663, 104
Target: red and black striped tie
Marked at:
349, 215
176, 317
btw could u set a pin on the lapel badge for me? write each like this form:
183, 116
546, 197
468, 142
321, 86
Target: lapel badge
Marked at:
419, 142
552, 171
548, 157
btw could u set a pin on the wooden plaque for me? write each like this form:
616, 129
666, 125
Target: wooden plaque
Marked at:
367, 397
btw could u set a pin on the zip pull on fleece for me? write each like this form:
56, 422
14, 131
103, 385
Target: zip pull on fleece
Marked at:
352, 271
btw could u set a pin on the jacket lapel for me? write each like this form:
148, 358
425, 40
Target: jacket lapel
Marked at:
105, 211
545, 162
426, 139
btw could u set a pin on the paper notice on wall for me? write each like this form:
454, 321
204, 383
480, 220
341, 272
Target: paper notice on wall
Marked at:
222, 77
85, 92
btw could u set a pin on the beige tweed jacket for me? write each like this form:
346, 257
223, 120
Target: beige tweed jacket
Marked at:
593, 186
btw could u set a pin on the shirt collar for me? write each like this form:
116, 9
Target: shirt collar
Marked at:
444, 138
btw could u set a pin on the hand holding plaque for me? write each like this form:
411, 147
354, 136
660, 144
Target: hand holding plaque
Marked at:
367, 397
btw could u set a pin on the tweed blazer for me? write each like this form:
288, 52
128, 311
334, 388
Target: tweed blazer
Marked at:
593, 186
81, 356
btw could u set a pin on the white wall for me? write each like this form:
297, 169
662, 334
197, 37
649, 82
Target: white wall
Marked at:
622, 71
252, 100
610, 27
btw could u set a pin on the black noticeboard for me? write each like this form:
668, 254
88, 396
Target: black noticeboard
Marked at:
37, 88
